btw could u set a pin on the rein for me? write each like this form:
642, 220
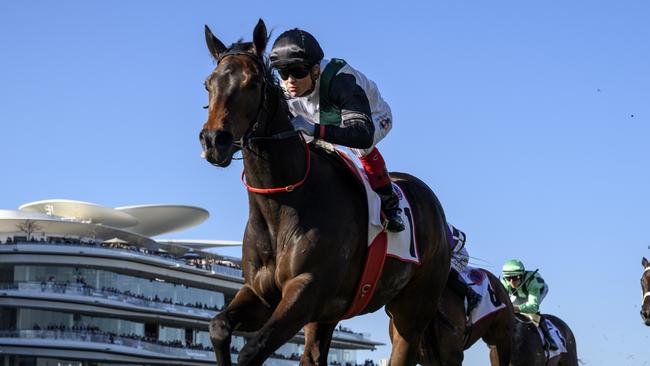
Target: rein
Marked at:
247, 138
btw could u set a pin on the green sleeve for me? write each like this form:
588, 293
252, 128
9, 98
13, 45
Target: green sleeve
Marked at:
534, 290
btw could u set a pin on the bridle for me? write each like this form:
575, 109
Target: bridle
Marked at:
647, 293
248, 138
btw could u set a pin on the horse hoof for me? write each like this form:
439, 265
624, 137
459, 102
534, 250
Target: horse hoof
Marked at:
219, 330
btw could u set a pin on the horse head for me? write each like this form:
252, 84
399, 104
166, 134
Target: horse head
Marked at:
645, 289
236, 91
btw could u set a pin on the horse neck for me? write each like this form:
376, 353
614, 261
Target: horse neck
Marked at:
275, 163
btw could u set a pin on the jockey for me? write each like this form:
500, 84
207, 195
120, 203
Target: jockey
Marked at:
333, 102
459, 263
459, 253
527, 289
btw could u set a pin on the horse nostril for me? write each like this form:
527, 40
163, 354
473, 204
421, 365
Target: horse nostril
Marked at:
223, 139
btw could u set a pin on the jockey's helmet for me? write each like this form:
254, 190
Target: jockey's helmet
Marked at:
512, 268
295, 46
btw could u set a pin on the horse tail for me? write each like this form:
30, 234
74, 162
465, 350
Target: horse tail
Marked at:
429, 352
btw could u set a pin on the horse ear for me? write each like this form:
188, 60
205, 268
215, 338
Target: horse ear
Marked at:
260, 37
645, 262
215, 46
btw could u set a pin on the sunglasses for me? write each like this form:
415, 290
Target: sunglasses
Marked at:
512, 278
296, 71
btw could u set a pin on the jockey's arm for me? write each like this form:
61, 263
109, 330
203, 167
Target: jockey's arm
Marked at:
357, 130
531, 306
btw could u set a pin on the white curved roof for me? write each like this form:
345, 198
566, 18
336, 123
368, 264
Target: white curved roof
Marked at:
10, 220
82, 212
161, 219
143, 220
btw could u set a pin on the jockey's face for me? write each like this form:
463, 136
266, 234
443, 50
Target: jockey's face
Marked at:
296, 82
514, 281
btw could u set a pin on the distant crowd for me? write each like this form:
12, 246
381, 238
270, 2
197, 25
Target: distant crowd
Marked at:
87, 329
83, 329
60, 287
196, 259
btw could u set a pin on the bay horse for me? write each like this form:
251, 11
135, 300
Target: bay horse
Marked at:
305, 241
528, 348
645, 289
450, 334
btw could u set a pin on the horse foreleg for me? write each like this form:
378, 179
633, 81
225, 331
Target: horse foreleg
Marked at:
292, 313
246, 312
494, 357
411, 313
404, 350
504, 350
318, 337
500, 337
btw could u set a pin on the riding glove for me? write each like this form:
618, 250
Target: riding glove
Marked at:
301, 124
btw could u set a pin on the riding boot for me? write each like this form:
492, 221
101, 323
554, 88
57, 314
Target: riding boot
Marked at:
390, 206
462, 289
547, 334
375, 168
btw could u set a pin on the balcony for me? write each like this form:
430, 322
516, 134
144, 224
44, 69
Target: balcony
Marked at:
111, 344
90, 295
226, 278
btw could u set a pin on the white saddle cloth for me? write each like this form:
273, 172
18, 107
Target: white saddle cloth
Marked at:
477, 280
557, 338
402, 245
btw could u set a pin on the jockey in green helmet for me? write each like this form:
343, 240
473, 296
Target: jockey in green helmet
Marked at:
527, 289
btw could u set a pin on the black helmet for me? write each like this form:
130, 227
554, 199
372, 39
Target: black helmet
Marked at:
293, 46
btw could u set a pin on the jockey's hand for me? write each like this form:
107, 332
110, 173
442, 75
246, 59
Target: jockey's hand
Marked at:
301, 124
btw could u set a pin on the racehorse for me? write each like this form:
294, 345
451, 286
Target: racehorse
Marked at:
449, 333
645, 289
529, 349
305, 242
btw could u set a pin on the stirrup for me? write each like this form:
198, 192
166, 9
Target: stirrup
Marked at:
394, 222
552, 346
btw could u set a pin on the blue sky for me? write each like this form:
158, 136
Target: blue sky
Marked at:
530, 120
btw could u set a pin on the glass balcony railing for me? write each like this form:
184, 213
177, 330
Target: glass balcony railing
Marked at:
76, 289
141, 252
107, 339
93, 294
138, 346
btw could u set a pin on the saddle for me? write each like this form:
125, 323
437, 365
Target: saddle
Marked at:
381, 243
553, 332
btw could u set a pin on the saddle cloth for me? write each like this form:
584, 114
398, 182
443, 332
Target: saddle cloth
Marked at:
402, 245
557, 337
381, 243
477, 280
